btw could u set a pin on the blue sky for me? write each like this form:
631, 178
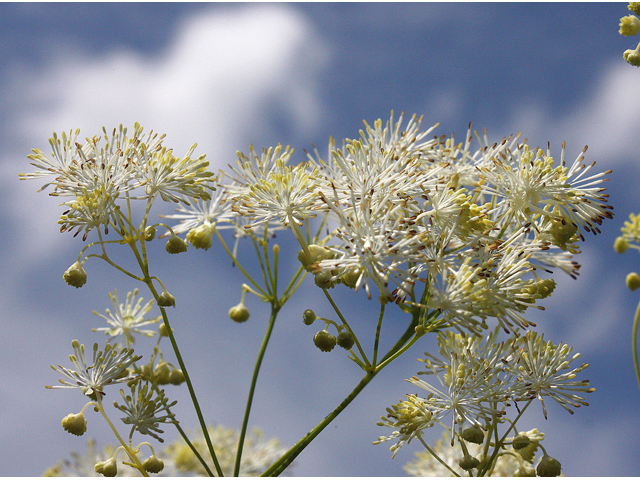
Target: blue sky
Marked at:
230, 75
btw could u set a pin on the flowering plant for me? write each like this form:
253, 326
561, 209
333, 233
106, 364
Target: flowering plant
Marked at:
447, 238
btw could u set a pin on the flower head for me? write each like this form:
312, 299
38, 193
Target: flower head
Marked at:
409, 417
629, 25
144, 408
106, 368
126, 319
543, 370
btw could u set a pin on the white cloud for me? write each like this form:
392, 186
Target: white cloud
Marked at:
606, 119
212, 85
216, 84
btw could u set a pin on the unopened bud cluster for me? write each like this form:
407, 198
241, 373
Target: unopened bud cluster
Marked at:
629, 26
324, 340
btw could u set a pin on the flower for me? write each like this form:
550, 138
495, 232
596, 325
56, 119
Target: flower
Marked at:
175, 178
285, 193
107, 367
528, 181
376, 245
410, 417
257, 455
214, 211
126, 319
629, 25
542, 370
144, 407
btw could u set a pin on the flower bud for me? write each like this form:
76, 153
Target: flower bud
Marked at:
324, 279
162, 330
108, 468
634, 7
153, 464
351, 276
620, 245
629, 25
316, 253
161, 373
75, 275
239, 313
548, 467
473, 434
520, 442
176, 245
75, 423
149, 233
166, 300
176, 377
468, 462
324, 341
308, 316
633, 281
201, 236
345, 340
632, 57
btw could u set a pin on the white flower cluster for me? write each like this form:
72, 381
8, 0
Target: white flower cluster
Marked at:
479, 379
107, 166
475, 227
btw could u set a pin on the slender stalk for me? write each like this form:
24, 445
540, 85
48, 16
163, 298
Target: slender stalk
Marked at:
278, 467
192, 392
127, 448
283, 462
634, 343
436, 456
263, 348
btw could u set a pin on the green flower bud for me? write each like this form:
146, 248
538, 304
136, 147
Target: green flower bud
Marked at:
161, 373
75, 423
176, 245
162, 330
316, 253
324, 279
75, 275
629, 25
149, 233
108, 468
324, 341
633, 281
351, 276
153, 464
520, 442
176, 377
201, 236
634, 7
620, 245
345, 340
632, 57
473, 434
166, 300
468, 462
308, 316
548, 467
239, 313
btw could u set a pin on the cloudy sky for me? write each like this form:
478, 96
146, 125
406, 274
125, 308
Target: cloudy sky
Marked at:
230, 75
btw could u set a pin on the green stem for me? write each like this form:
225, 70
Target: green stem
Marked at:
278, 467
263, 348
436, 456
634, 343
183, 367
283, 462
127, 448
